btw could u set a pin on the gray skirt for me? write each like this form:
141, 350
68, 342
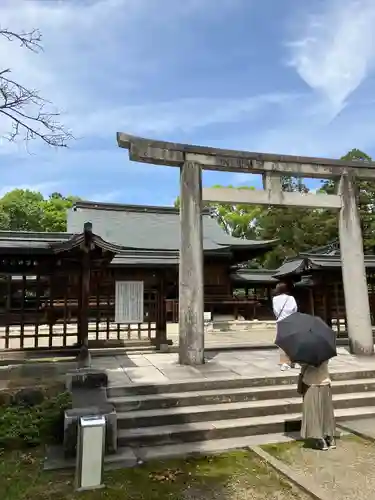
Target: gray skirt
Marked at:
318, 419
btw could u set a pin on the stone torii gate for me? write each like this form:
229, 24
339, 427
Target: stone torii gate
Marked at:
192, 159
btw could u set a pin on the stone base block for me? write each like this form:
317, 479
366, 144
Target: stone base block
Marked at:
86, 378
164, 348
71, 419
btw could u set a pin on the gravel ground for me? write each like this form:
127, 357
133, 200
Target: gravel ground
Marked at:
244, 490
347, 473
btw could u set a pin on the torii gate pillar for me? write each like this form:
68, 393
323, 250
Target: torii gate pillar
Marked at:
353, 271
191, 283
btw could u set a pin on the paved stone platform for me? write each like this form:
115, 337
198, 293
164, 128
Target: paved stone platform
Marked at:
156, 368
257, 335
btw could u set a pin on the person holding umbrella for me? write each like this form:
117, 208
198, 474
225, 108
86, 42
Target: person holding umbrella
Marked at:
318, 418
308, 340
283, 306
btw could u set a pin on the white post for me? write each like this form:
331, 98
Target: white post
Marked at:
354, 271
90, 453
191, 293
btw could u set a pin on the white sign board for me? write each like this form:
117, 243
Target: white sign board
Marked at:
207, 316
129, 300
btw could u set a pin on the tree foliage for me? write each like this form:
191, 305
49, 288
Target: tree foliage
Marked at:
26, 210
29, 114
237, 220
297, 229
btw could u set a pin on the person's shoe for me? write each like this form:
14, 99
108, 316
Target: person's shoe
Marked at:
320, 444
297, 366
284, 367
331, 442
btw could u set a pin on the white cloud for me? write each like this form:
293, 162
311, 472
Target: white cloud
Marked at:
334, 50
97, 57
81, 49
184, 115
96, 52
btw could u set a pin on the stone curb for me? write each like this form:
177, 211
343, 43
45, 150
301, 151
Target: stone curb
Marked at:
359, 434
292, 476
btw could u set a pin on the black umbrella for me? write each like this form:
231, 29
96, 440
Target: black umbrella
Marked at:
306, 339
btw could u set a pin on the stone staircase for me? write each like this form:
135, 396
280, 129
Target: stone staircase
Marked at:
201, 416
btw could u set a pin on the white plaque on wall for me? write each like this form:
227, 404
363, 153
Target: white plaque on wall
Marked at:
129, 302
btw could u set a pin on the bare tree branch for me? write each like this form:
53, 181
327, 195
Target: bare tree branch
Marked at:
31, 40
27, 111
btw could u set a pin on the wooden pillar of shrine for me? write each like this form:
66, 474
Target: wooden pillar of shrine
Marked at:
161, 340
83, 313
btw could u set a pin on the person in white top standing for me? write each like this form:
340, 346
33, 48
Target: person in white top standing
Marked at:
283, 306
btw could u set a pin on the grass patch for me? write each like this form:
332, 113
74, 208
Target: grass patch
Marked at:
282, 450
237, 475
285, 451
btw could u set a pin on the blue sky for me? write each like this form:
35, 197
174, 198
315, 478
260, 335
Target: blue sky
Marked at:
282, 76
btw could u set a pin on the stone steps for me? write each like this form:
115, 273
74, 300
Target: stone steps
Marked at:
232, 395
156, 420
204, 384
221, 429
229, 411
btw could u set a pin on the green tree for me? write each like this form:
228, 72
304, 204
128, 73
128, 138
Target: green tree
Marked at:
297, 229
23, 209
54, 212
26, 210
237, 220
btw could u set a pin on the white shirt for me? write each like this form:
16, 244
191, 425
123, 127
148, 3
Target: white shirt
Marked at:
283, 306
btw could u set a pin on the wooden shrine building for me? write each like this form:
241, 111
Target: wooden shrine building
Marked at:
318, 285
112, 278
255, 285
